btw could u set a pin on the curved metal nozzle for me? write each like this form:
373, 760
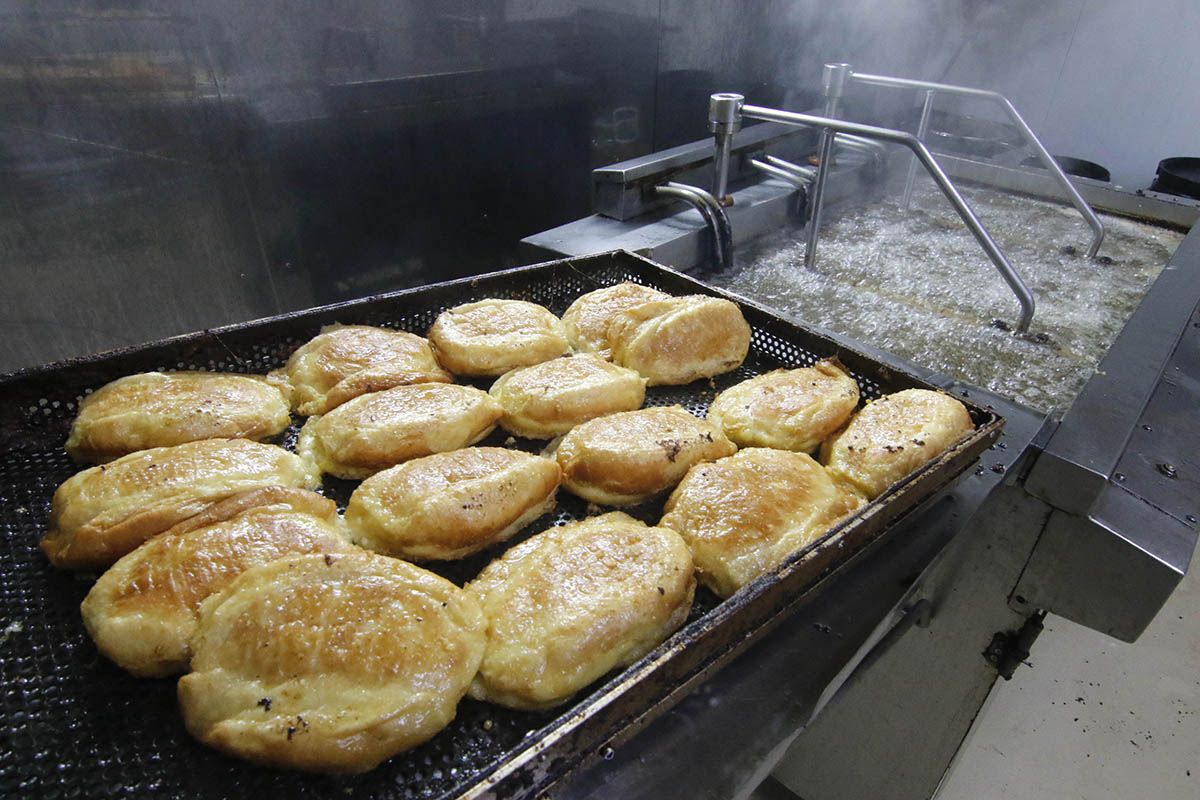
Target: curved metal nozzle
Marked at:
714, 217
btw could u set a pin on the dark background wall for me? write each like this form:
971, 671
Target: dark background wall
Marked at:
167, 166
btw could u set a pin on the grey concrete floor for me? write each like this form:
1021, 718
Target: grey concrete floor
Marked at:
1093, 718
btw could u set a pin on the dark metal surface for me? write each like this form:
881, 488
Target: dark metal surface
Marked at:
1179, 175
61, 698
1078, 167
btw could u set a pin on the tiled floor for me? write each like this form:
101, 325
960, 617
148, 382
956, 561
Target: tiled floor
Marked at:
1094, 718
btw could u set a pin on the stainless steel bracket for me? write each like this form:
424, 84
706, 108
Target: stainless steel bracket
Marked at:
836, 126
931, 88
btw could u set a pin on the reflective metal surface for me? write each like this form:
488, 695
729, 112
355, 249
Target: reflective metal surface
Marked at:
170, 166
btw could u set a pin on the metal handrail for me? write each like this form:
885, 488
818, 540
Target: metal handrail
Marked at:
714, 217
1043, 154
837, 126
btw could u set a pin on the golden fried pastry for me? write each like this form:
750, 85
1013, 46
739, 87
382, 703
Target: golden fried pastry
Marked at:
102, 513
491, 337
892, 437
330, 663
587, 320
144, 609
572, 603
159, 409
382, 429
626, 458
681, 339
789, 409
743, 515
548, 399
453, 504
345, 361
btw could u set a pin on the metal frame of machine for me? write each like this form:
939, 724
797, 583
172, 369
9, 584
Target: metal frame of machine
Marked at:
1121, 538
1092, 517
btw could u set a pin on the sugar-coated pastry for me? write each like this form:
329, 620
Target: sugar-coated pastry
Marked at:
330, 663
491, 337
588, 318
102, 513
892, 437
571, 603
680, 339
789, 409
382, 429
143, 611
743, 515
159, 409
628, 457
550, 398
450, 505
345, 361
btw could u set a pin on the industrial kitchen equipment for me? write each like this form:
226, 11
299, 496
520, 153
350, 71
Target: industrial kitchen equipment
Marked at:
1095, 516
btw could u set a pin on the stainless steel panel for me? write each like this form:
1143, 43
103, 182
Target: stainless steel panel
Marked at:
172, 166
1083, 454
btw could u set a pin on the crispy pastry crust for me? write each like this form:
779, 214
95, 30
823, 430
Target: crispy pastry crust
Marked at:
143, 610
102, 513
548, 399
453, 504
680, 339
491, 337
571, 603
330, 663
346, 361
741, 516
587, 319
160, 409
625, 458
382, 429
794, 409
892, 437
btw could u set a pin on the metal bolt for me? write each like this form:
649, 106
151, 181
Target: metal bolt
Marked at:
1191, 518
1168, 470
1147, 428
1119, 477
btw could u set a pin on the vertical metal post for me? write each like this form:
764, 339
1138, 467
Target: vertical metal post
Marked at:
922, 130
724, 120
833, 83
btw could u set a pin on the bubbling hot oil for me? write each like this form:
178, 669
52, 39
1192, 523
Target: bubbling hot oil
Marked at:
919, 286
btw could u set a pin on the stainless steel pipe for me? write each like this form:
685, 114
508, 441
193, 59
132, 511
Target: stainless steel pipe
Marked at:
724, 121
922, 131
1043, 154
1006, 269
833, 85
714, 217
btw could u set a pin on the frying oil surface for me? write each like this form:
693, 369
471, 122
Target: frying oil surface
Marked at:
918, 285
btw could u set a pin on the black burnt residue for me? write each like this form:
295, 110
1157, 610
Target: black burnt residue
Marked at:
672, 446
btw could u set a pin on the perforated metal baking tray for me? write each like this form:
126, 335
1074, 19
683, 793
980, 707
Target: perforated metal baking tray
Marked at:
74, 725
